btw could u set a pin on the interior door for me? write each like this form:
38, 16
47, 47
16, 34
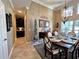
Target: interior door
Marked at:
3, 33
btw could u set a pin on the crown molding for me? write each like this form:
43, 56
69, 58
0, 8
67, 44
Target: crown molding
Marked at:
42, 4
11, 4
48, 6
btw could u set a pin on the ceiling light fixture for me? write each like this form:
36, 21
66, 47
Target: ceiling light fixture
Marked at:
19, 11
65, 17
27, 8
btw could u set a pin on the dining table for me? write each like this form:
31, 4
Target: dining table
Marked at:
64, 43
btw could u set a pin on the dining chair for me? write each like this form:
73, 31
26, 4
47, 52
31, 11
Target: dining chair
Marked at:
49, 34
49, 47
74, 50
72, 34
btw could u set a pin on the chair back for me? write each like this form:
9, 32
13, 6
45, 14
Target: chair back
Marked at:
47, 42
72, 34
49, 34
76, 45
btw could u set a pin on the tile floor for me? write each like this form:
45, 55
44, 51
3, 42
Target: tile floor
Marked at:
24, 50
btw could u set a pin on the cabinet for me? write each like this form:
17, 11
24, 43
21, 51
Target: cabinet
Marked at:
20, 34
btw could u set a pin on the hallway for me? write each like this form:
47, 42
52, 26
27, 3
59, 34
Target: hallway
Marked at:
24, 50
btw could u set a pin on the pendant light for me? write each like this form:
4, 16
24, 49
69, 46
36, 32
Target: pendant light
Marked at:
65, 18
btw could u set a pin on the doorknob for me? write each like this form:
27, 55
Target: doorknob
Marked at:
5, 39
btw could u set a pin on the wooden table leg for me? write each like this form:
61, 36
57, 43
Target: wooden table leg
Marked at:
59, 54
78, 52
66, 54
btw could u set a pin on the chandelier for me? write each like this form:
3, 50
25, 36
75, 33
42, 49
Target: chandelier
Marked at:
65, 17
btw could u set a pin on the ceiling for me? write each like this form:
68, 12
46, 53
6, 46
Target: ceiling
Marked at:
51, 3
20, 5
23, 4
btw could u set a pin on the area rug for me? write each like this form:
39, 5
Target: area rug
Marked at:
37, 42
41, 51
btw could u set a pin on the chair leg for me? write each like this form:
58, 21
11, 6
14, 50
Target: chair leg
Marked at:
59, 54
72, 56
51, 55
45, 49
66, 54
76, 53
45, 52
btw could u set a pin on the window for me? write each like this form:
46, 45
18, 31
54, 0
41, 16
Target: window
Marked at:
78, 9
67, 27
76, 27
68, 12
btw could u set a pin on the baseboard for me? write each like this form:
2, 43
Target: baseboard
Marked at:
11, 51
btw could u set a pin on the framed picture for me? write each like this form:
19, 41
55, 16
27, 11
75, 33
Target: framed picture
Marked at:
10, 20
41, 23
47, 23
44, 23
7, 22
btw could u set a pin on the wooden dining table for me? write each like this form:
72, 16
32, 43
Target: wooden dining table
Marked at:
65, 44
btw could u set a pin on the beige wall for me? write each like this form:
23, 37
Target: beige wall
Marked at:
35, 12
57, 19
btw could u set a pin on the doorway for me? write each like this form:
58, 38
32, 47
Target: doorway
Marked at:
20, 32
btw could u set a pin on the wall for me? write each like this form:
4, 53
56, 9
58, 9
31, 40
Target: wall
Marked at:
34, 13
10, 34
57, 19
